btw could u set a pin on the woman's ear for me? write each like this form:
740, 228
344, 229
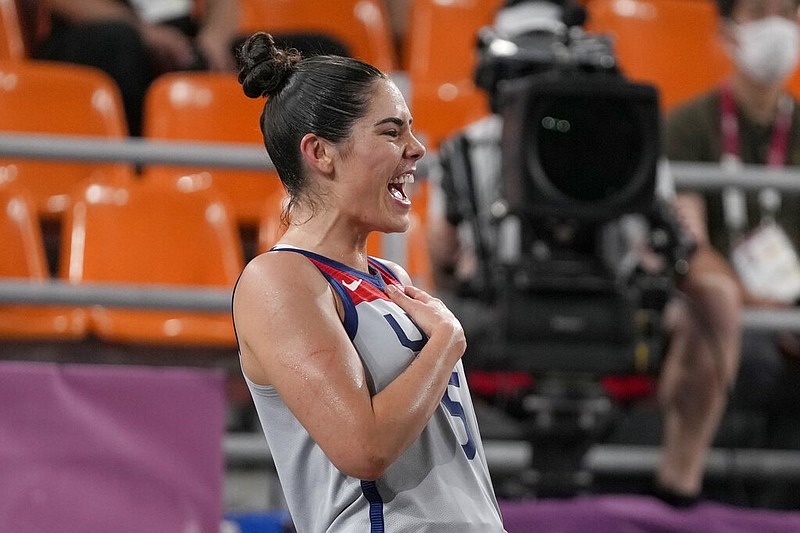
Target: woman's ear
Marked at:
317, 152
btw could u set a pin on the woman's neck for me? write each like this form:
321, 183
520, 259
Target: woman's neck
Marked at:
326, 237
759, 102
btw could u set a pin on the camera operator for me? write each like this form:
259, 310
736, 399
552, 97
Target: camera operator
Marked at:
701, 320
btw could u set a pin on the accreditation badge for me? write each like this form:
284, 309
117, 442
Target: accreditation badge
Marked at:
768, 264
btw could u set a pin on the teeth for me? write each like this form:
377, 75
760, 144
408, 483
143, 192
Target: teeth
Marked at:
403, 178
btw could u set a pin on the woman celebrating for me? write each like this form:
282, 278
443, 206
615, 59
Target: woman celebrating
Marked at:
356, 374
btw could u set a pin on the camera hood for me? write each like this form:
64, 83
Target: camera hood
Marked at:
582, 146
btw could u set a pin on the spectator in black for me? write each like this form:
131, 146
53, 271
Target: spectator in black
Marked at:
751, 118
135, 41
138, 40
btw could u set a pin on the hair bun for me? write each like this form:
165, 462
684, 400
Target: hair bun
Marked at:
263, 68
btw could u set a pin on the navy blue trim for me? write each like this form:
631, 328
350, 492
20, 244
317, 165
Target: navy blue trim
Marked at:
370, 491
414, 346
382, 266
455, 408
373, 276
350, 320
454, 380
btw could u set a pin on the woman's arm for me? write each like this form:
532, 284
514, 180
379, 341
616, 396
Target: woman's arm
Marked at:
218, 29
291, 336
91, 10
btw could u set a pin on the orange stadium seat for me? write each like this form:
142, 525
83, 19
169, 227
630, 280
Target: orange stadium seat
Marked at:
440, 55
794, 83
39, 97
362, 26
442, 37
12, 44
155, 234
672, 44
23, 257
441, 109
210, 107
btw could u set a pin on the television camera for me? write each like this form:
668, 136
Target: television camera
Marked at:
561, 269
580, 152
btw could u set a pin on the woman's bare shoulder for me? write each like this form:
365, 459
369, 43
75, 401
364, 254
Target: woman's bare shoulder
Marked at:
277, 277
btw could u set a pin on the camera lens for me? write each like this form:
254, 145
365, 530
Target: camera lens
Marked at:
588, 149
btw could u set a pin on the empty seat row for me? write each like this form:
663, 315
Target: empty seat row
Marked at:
57, 98
122, 232
141, 233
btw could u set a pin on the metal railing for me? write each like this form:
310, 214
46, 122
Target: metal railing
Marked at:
507, 457
701, 176
134, 150
55, 292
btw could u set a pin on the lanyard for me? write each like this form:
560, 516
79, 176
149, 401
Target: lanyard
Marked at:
733, 198
778, 146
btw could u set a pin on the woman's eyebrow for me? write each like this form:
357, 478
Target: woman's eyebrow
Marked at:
392, 120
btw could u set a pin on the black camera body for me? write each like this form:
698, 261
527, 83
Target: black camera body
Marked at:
580, 150
579, 139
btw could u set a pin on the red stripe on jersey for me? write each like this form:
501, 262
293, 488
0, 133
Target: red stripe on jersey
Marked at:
360, 289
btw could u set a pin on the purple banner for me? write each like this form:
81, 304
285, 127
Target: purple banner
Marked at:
118, 448
640, 514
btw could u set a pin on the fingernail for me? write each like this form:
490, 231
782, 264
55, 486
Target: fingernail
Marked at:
391, 289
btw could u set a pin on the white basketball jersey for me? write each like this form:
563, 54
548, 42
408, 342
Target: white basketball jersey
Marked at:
439, 484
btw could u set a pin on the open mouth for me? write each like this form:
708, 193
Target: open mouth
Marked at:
398, 191
397, 187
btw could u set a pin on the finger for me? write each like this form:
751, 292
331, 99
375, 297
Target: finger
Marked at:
399, 297
406, 297
417, 293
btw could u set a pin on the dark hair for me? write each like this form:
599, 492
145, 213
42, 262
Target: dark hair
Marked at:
324, 95
725, 8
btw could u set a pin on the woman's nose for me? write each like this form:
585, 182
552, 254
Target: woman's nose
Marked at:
415, 149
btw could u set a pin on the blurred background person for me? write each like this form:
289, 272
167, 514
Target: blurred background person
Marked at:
399, 12
751, 118
136, 41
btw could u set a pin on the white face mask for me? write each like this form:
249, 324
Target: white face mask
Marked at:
769, 48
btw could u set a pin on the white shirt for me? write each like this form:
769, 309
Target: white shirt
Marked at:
161, 10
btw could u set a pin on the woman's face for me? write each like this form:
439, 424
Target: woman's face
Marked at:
378, 161
763, 39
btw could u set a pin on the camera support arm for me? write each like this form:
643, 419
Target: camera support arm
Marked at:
455, 156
